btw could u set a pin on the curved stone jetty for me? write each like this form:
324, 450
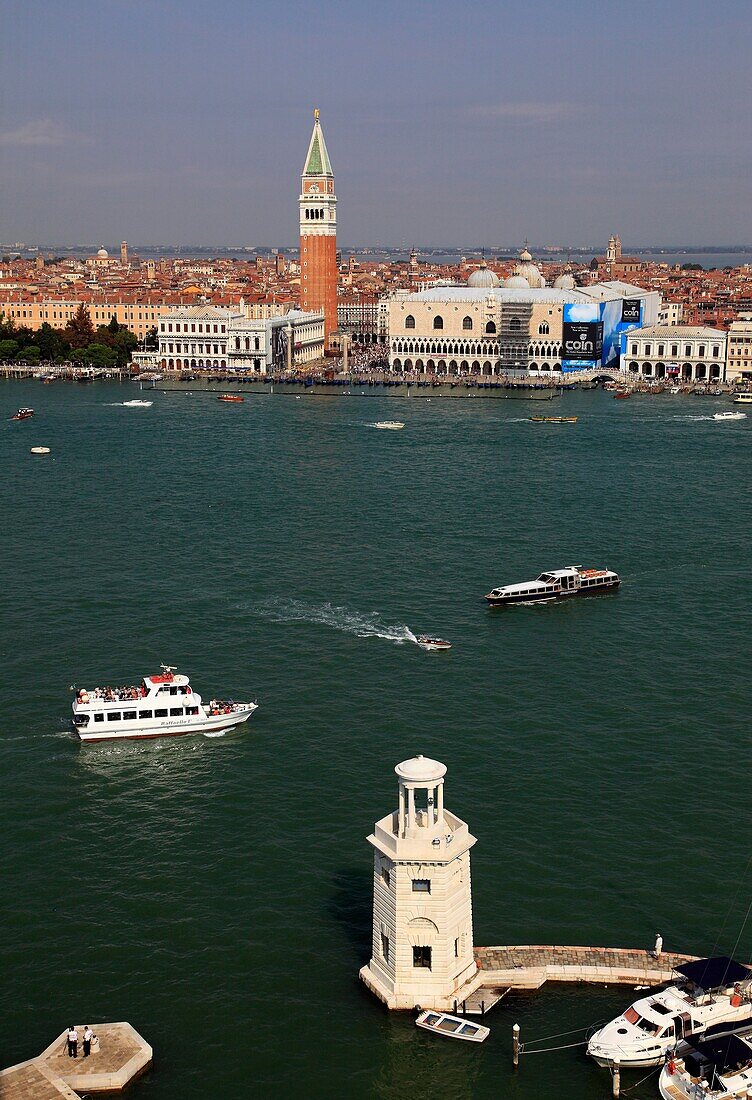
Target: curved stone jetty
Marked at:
122, 1056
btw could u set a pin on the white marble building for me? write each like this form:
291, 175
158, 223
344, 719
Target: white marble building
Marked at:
422, 909
686, 353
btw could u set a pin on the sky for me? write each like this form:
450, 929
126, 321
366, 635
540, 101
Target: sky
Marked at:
447, 123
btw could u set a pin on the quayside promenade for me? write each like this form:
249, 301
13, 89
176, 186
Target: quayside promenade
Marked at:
123, 1055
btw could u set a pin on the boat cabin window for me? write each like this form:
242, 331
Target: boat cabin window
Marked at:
129, 715
191, 710
176, 712
631, 1016
422, 957
658, 1007
160, 713
99, 717
648, 1026
144, 714
113, 716
668, 1032
547, 577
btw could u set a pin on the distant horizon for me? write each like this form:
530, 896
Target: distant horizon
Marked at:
114, 248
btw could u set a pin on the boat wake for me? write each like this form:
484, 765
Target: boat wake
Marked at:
135, 404
368, 625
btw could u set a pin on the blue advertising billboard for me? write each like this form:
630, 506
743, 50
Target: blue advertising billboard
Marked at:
618, 316
582, 336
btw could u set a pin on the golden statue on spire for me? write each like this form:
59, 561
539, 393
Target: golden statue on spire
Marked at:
316, 113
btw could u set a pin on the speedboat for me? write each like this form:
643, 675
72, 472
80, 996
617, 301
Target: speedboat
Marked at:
622, 395
553, 419
730, 416
23, 414
452, 1027
236, 398
556, 584
160, 706
715, 1070
425, 641
390, 425
709, 998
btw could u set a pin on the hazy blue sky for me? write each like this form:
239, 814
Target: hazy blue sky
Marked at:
447, 122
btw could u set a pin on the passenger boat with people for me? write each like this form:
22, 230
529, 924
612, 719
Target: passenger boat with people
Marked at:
160, 706
743, 398
556, 584
23, 414
452, 1027
233, 398
715, 1070
709, 998
425, 641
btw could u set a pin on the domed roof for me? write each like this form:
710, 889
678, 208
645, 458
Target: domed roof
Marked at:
525, 256
517, 281
483, 276
103, 254
565, 282
421, 769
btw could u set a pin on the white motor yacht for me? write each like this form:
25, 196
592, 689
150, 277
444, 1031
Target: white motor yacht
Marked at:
556, 584
710, 998
160, 706
715, 1070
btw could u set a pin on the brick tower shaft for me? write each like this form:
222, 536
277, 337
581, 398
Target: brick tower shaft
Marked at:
318, 233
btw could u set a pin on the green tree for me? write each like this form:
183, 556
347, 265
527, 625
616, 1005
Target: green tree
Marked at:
50, 342
29, 354
95, 355
79, 330
124, 344
8, 349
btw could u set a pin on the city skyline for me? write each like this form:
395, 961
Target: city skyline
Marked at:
153, 123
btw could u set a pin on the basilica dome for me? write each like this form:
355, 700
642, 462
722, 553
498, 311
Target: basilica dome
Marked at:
103, 254
565, 282
528, 271
517, 282
483, 277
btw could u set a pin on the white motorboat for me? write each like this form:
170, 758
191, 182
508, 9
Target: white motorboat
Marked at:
390, 425
743, 398
715, 1070
730, 416
452, 1027
556, 584
710, 998
160, 706
425, 641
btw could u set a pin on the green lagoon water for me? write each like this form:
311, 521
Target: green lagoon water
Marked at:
216, 892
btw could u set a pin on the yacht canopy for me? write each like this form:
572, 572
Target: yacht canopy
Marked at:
727, 1053
714, 973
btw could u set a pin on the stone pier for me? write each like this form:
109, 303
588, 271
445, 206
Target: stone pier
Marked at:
530, 966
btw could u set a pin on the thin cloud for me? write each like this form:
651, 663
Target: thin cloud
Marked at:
525, 112
42, 133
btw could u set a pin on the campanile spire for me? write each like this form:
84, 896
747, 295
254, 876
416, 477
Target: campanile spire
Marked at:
318, 232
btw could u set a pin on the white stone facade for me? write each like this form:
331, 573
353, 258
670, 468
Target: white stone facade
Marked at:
216, 339
422, 907
686, 353
739, 351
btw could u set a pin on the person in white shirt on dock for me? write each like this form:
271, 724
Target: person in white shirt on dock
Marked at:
658, 946
72, 1038
88, 1036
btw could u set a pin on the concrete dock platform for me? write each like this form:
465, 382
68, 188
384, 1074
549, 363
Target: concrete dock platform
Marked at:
530, 966
122, 1056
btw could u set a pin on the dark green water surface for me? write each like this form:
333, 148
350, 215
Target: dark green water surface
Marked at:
216, 892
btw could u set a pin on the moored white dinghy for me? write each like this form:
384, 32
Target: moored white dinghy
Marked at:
452, 1027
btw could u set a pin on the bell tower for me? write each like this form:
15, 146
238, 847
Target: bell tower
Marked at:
318, 233
422, 910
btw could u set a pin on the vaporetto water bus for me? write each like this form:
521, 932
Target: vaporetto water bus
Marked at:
160, 706
709, 998
556, 584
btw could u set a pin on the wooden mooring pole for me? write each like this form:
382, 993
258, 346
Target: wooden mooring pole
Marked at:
516, 1045
616, 1079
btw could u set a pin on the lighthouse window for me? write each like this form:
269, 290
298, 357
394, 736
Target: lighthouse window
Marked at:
422, 957
385, 876
421, 886
385, 947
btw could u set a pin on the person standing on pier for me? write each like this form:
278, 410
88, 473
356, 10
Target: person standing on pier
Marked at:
72, 1042
658, 946
88, 1036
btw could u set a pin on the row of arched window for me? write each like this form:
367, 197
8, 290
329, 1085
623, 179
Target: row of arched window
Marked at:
515, 324
314, 213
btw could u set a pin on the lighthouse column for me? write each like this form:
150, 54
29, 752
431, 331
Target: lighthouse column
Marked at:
422, 908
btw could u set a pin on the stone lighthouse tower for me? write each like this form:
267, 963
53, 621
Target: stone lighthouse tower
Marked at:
422, 911
318, 233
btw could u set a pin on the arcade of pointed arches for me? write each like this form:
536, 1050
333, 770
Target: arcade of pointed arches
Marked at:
687, 372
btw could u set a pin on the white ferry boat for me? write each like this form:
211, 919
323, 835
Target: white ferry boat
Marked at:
710, 998
716, 1070
743, 398
160, 706
556, 584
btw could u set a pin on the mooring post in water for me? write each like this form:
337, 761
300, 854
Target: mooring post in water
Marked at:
616, 1078
516, 1044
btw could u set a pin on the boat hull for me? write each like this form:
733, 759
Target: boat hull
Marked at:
546, 597
211, 724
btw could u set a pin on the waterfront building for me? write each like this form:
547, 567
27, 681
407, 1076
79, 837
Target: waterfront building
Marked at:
422, 909
486, 328
687, 353
318, 232
739, 351
140, 314
358, 318
212, 338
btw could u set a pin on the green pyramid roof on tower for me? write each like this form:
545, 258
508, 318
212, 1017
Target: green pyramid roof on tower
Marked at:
317, 162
